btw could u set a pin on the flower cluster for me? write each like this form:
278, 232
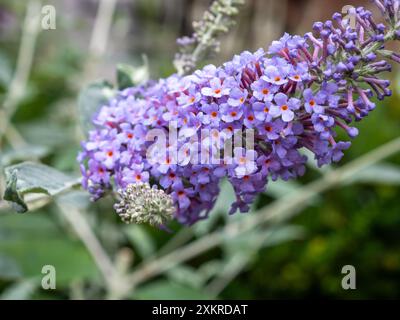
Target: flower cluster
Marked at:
294, 96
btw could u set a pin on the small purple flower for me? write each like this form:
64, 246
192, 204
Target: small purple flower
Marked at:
262, 111
313, 103
272, 130
278, 45
192, 96
108, 154
230, 114
250, 120
216, 89
237, 97
170, 179
181, 195
263, 90
211, 114
322, 124
274, 75
284, 107
245, 161
134, 174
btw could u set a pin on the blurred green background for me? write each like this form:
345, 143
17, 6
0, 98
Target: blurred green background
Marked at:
355, 224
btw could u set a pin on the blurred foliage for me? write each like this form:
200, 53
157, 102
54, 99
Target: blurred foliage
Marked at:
355, 224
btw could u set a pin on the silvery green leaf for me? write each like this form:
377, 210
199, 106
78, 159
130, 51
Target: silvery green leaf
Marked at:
22, 290
186, 275
30, 152
209, 269
91, 99
9, 269
29, 177
129, 76
36, 240
383, 173
281, 188
225, 199
250, 242
140, 239
46, 133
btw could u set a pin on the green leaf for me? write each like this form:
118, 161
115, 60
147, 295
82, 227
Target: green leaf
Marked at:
29, 177
129, 76
140, 239
221, 208
186, 276
167, 290
91, 99
12, 194
30, 152
32, 241
9, 268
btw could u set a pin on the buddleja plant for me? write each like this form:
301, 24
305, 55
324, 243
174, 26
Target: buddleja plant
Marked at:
297, 94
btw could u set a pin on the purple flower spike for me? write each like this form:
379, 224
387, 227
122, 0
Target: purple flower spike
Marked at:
300, 95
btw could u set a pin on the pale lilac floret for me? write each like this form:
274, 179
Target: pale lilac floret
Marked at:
245, 161
216, 89
263, 90
284, 107
237, 97
274, 76
313, 103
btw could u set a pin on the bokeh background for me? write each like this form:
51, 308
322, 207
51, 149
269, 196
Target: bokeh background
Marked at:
356, 223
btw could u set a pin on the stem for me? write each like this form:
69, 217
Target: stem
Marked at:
77, 220
101, 29
24, 64
18, 84
201, 48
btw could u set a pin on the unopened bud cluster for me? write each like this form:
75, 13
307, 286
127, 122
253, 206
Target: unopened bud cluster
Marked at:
204, 41
142, 204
